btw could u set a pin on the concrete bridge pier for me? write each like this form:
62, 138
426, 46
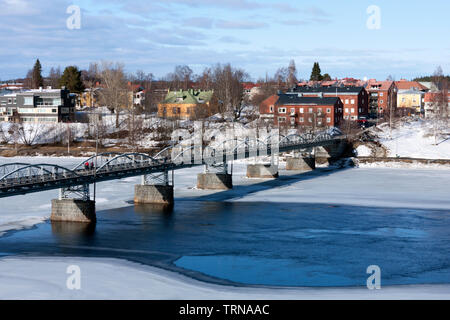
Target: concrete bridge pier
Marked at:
262, 171
154, 189
73, 209
329, 154
302, 164
215, 178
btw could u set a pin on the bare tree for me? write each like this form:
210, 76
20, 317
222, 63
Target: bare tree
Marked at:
180, 78
291, 79
228, 89
114, 93
54, 77
27, 134
206, 79
440, 103
281, 76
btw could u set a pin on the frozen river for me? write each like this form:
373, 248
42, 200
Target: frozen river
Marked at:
321, 229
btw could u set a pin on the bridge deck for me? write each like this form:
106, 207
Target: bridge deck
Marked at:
44, 180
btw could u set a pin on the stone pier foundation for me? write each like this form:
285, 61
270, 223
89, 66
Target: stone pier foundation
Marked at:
147, 194
262, 171
301, 164
73, 210
214, 181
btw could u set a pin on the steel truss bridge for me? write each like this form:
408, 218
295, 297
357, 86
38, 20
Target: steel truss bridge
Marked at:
23, 178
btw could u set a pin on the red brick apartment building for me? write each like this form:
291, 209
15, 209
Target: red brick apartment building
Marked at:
355, 100
382, 96
292, 109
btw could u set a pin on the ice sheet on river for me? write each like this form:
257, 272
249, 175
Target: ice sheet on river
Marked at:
46, 278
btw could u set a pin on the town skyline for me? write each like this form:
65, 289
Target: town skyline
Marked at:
255, 36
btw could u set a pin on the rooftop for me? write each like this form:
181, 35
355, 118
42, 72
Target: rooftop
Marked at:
348, 89
293, 99
190, 96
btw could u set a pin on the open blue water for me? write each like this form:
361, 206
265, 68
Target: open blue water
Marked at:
283, 244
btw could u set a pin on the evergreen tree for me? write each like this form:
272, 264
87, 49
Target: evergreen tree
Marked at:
326, 77
36, 78
315, 73
71, 79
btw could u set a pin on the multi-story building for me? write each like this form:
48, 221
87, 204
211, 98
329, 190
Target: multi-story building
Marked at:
355, 99
188, 104
293, 109
382, 97
410, 101
435, 100
40, 105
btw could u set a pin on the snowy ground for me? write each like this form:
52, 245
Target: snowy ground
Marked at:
46, 278
414, 139
381, 187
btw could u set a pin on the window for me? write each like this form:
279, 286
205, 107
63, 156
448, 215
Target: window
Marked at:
281, 119
301, 110
292, 121
346, 110
328, 110
346, 101
381, 94
28, 101
360, 110
271, 109
281, 110
309, 120
352, 101
353, 117
54, 110
292, 111
381, 101
319, 110
353, 110
328, 120
9, 101
15, 101
301, 120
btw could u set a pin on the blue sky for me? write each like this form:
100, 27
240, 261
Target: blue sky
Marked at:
259, 36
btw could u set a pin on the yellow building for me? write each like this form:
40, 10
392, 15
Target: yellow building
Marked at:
89, 98
189, 104
410, 99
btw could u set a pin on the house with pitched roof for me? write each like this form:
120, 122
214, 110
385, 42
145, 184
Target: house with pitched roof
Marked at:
354, 99
186, 104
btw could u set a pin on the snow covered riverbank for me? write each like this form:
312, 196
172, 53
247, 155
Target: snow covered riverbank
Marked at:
412, 139
46, 278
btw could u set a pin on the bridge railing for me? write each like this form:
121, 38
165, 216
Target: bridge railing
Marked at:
16, 174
